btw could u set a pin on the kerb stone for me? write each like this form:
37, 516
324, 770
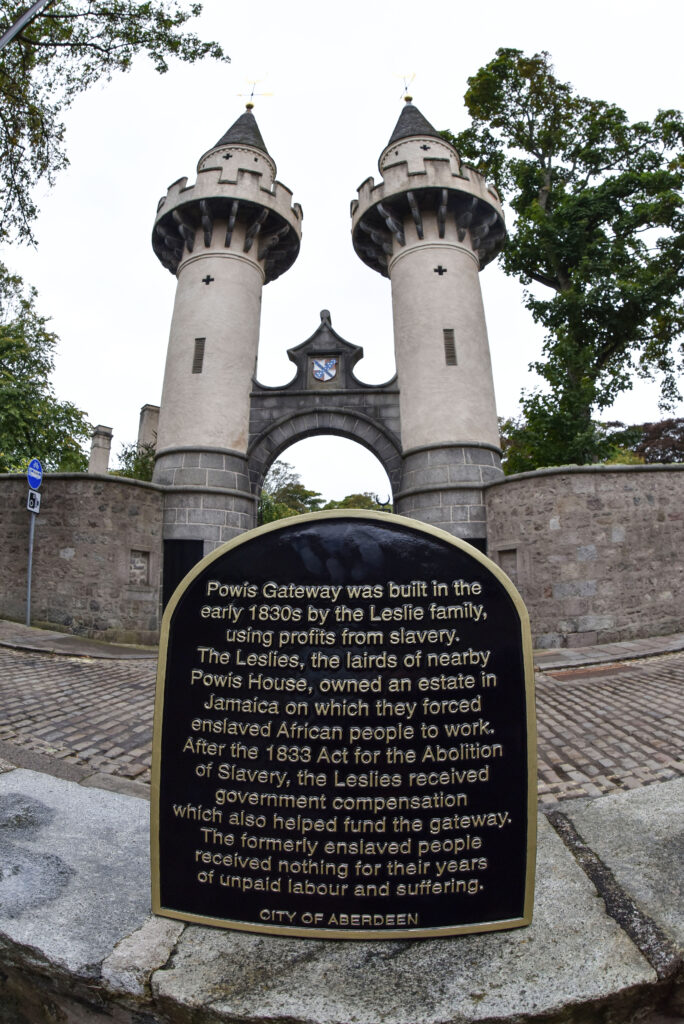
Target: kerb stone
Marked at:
639, 836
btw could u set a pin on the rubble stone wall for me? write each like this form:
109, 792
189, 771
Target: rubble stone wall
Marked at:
96, 557
595, 551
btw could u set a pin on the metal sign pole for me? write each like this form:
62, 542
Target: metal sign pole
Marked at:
34, 475
32, 526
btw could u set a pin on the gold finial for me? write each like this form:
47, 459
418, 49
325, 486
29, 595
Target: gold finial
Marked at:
249, 106
408, 99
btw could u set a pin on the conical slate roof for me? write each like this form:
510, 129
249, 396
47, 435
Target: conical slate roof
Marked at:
411, 122
245, 132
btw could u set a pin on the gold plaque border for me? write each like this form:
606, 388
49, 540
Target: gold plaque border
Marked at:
339, 933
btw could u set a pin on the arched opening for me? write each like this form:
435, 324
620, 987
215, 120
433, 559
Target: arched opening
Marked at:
357, 427
336, 468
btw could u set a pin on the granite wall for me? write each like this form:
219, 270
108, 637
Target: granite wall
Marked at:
596, 551
96, 560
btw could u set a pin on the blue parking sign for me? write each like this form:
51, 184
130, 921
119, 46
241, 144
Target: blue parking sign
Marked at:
34, 474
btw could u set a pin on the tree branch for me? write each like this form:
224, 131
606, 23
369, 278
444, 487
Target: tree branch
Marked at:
540, 278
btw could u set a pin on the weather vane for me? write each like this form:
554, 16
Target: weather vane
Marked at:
406, 79
253, 82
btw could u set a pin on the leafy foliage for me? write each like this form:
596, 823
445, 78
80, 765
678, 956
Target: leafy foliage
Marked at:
619, 443
62, 52
33, 422
284, 495
661, 442
599, 221
616, 443
365, 499
517, 446
136, 461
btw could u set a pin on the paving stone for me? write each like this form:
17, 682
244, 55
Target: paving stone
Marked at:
93, 710
635, 717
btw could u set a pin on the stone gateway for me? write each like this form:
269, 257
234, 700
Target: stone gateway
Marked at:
344, 736
430, 225
584, 545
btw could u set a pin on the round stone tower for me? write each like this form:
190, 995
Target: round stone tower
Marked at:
431, 225
224, 237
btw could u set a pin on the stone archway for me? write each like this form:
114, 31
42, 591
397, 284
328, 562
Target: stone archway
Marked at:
287, 430
324, 397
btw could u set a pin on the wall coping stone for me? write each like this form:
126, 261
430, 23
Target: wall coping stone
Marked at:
452, 444
652, 467
147, 485
110, 478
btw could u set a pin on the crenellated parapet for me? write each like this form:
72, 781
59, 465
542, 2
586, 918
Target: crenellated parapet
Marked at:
426, 194
236, 204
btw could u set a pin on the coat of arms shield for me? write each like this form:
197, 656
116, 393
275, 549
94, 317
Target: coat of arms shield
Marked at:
324, 369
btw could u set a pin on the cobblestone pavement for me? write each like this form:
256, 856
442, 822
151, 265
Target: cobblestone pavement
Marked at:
610, 727
600, 728
96, 714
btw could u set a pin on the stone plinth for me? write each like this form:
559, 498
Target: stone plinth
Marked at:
78, 942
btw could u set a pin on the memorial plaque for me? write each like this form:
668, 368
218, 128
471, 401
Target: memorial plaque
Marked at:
344, 741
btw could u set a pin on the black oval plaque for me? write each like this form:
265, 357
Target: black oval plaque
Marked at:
344, 736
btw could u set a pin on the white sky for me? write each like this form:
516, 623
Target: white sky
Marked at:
335, 71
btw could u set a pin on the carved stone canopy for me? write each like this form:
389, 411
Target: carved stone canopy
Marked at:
324, 345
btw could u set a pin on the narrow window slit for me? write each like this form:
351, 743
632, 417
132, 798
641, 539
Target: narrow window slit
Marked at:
198, 356
449, 346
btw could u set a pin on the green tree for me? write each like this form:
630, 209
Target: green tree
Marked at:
616, 443
33, 422
517, 446
599, 222
365, 499
619, 443
136, 461
62, 52
283, 494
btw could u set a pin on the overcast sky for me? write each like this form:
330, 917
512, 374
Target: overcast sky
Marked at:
335, 72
